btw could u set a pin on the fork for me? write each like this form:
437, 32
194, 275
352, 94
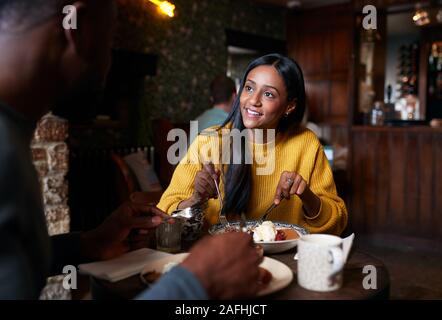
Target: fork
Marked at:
242, 223
222, 217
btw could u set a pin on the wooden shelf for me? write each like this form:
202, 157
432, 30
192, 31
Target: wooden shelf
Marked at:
417, 129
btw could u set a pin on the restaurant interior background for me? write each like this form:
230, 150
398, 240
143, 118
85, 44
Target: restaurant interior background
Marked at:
373, 95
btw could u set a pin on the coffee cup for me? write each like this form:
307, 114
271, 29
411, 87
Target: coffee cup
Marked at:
320, 262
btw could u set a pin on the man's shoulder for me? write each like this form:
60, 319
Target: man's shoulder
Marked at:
213, 112
203, 114
210, 118
5, 135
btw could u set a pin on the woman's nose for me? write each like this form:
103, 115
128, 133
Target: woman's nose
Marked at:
255, 99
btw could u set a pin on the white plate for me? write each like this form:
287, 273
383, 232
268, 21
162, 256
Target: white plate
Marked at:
282, 276
268, 246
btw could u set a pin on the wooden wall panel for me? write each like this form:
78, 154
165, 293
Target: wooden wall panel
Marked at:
356, 217
412, 177
321, 40
315, 97
340, 50
437, 194
396, 181
314, 61
339, 99
383, 219
427, 169
369, 176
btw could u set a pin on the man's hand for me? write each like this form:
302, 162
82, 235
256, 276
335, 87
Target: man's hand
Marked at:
226, 265
127, 228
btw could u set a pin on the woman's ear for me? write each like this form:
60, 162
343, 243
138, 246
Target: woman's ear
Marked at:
291, 107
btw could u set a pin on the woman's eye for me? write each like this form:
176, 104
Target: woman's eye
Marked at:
248, 88
268, 94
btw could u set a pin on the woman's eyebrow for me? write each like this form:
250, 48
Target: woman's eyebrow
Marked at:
266, 85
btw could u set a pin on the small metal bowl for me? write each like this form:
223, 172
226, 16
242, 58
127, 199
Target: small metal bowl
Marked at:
192, 221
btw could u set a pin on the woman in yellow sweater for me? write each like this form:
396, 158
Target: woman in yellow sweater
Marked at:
288, 164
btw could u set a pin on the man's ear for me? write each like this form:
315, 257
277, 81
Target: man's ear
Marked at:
76, 27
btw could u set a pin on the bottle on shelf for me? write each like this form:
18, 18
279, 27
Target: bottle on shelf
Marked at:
377, 114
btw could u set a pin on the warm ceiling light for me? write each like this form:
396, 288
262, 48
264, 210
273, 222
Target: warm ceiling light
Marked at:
164, 7
420, 17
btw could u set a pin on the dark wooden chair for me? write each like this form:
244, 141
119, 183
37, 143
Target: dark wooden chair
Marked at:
126, 182
163, 168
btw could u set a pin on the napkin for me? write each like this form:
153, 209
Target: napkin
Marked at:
122, 267
346, 246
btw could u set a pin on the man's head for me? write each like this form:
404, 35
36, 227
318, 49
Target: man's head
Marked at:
47, 62
222, 90
20, 15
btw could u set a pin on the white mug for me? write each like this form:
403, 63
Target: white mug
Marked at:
320, 262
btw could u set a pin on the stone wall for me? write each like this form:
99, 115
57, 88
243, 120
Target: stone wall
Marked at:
50, 155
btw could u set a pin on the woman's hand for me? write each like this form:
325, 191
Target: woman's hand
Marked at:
204, 186
292, 183
204, 183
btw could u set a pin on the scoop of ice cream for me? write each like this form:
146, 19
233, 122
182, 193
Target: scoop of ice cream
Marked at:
264, 232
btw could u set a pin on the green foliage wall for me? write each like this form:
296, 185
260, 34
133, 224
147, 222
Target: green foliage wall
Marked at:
191, 49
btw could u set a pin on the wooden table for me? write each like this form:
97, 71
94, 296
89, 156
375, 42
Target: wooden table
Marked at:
352, 286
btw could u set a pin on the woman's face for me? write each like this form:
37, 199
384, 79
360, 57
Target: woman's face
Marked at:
263, 99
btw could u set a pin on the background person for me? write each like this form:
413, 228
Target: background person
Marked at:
222, 96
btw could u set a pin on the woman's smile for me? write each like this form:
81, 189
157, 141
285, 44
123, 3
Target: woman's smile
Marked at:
253, 113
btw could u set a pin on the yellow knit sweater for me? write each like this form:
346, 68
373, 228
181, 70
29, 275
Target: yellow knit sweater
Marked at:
299, 152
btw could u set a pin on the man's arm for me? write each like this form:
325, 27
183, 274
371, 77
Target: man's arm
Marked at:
126, 229
15, 274
17, 278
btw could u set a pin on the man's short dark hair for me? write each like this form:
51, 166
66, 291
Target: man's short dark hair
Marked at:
221, 89
20, 15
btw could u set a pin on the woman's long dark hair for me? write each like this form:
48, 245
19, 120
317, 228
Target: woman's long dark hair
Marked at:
238, 176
